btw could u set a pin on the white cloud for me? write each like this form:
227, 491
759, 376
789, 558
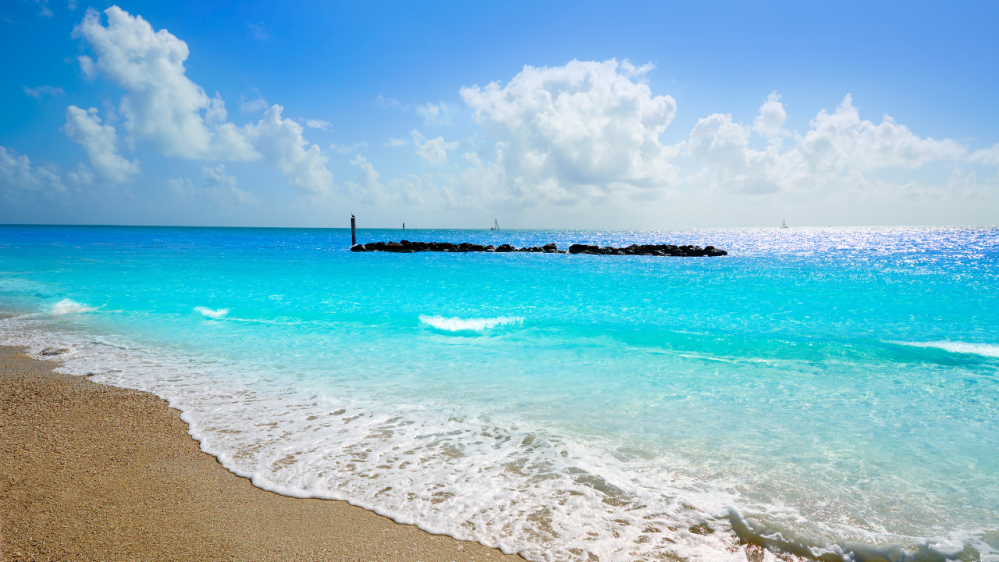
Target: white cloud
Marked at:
987, 156
247, 105
434, 150
216, 113
260, 31
472, 158
575, 129
82, 176
44, 8
838, 148
17, 175
396, 142
770, 122
389, 103
365, 186
72, 4
222, 186
318, 124
281, 143
164, 106
436, 114
100, 142
44, 90
183, 187
161, 104
348, 148
842, 140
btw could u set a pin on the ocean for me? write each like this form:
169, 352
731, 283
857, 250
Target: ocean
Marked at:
820, 391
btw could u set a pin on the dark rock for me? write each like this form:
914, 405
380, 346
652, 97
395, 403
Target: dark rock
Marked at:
408, 247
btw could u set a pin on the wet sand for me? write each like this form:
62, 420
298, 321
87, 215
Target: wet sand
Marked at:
92, 472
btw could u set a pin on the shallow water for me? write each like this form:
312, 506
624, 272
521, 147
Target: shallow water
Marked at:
827, 389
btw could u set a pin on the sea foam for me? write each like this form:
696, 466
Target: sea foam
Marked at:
217, 313
984, 349
456, 324
68, 306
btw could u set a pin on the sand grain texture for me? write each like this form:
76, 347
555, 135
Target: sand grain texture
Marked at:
92, 472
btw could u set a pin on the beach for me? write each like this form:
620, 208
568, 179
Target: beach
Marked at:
93, 472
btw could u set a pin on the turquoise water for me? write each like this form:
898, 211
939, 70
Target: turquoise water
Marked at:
818, 390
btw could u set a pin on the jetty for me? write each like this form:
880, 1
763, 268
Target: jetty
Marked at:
670, 250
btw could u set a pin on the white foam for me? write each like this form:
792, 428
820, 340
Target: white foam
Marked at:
217, 313
456, 324
505, 483
67, 306
987, 350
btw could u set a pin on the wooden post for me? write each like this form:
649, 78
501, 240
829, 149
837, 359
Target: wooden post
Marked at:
353, 231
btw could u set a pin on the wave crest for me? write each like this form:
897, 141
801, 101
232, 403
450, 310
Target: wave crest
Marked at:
985, 349
69, 306
217, 313
456, 324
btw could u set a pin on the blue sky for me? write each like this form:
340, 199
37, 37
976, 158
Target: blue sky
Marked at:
601, 115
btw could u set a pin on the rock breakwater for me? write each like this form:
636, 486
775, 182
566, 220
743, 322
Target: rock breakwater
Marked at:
407, 247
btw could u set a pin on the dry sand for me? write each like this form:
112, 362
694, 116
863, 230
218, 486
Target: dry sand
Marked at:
92, 472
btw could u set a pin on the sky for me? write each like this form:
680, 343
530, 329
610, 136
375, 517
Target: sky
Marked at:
624, 115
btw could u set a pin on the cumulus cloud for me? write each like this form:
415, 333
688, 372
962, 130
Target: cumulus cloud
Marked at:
82, 176
318, 124
434, 150
365, 187
578, 128
394, 143
100, 143
247, 105
164, 106
18, 176
838, 147
220, 188
987, 156
281, 143
842, 139
218, 182
770, 122
436, 114
44, 90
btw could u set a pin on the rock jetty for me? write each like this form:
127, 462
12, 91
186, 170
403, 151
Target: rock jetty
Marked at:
407, 247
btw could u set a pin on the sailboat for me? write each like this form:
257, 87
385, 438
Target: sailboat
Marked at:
783, 224
495, 225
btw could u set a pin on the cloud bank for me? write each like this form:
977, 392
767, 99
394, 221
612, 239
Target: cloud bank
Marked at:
162, 105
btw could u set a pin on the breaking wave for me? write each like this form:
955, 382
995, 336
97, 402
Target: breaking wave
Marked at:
984, 349
217, 313
468, 324
68, 306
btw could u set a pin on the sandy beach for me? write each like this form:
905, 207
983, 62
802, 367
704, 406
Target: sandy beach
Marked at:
92, 472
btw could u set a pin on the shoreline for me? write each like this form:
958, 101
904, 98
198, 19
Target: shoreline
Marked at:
95, 472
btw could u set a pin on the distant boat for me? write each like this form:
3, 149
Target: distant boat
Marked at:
783, 224
495, 225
